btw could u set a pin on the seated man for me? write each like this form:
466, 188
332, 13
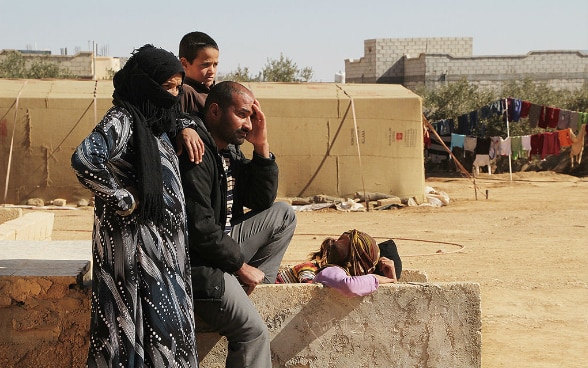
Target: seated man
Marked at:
231, 250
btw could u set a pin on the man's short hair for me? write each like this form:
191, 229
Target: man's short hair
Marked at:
222, 94
192, 43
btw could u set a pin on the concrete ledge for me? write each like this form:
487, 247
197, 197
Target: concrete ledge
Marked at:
45, 315
31, 226
401, 325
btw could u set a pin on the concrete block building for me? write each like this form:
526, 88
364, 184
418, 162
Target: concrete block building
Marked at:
82, 65
433, 61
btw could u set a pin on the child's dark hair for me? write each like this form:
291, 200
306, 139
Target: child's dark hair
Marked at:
193, 42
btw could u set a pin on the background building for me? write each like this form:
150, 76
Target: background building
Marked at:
82, 65
431, 61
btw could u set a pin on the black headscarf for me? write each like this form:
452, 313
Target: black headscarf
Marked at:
137, 88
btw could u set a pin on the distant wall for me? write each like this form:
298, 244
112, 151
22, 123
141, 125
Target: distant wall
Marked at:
435, 61
557, 69
83, 65
383, 58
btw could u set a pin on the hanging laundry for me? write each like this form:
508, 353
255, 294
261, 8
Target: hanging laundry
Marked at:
457, 140
494, 147
496, 107
426, 137
481, 129
542, 123
482, 160
505, 148
473, 121
503, 106
436, 152
516, 144
463, 125
469, 144
485, 112
550, 144
565, 137
514, 109
526, 142
574, 121
564, 119
525, 106
551, 117
582, 119
536, 145
482, 146
534, 114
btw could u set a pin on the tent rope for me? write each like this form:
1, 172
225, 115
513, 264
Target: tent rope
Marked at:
366, 198
461, 247
12, 141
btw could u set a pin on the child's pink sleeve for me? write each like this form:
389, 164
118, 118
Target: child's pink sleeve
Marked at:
336, 278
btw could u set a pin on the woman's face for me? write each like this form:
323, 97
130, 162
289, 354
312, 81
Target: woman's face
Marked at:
172, 85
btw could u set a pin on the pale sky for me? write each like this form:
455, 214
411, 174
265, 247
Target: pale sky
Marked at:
317, 34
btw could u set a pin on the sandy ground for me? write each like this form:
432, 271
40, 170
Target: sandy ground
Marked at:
526, 245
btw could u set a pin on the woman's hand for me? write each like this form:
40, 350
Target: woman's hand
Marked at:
189, 139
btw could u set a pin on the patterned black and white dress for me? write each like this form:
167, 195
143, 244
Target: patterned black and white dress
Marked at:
141, 287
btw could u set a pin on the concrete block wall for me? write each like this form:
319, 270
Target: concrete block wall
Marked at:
363, 70
414, 61
380, 55
390, 51
559, 69
82, 64
105, 66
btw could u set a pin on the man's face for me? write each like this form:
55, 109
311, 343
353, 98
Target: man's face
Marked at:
235, 120
203, 67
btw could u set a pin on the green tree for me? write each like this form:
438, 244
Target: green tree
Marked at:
275, 70
453, 99
284, 69
14, 65
241, 75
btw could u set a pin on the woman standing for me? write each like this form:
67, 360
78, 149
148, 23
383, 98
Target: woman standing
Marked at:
141, 286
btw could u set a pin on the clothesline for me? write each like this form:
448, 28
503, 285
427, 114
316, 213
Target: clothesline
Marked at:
470, 132
543, 144
545, 117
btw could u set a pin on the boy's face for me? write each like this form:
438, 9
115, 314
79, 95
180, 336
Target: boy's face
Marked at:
203, 67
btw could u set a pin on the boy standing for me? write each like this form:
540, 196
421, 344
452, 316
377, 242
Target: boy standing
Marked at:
199, 56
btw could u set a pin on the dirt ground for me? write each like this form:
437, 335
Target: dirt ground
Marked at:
526, 245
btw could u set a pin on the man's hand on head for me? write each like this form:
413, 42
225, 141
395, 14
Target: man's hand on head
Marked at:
258, 134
